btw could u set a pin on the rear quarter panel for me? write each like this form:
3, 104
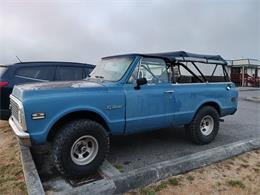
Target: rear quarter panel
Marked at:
188, 98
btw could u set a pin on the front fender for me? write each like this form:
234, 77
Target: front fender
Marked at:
40, 137
65, 112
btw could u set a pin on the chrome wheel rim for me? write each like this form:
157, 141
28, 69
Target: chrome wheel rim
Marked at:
84, 150
207, 125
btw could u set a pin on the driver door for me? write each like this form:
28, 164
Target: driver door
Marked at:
151, 106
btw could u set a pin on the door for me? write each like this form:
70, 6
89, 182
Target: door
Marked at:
151, 106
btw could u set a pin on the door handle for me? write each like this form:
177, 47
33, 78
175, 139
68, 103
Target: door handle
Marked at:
169, 91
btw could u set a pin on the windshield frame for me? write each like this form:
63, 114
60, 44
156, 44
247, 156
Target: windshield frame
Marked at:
133, 58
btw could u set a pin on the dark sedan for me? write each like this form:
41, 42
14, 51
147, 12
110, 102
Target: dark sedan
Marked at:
28, 72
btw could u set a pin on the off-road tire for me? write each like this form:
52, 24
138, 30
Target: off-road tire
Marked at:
193, 130
63, 141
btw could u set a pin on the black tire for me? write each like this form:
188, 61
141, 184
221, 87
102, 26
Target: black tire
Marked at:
194, 130
67, 137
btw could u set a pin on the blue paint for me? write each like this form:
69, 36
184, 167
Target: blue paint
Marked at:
124, 109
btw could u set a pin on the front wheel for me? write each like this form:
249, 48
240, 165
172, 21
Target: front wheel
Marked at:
205, 125
79, 148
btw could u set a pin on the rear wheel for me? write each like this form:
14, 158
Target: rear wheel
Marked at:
79, 148
204, 127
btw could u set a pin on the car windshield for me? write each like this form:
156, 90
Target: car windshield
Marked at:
112, 69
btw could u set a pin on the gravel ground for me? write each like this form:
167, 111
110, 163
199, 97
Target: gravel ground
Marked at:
11, 173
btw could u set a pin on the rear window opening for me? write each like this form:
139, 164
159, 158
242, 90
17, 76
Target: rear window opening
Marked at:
190, 72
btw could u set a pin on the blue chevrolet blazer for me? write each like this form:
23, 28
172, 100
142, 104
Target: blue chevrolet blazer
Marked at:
124, 94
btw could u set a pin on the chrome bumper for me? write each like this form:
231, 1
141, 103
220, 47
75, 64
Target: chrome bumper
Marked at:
24, 138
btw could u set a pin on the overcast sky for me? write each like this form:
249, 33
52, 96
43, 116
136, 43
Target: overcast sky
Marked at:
84, 31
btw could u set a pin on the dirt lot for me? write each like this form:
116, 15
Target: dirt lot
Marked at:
11, 174
239, 175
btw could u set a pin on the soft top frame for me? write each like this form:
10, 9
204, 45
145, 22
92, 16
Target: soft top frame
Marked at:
182, 56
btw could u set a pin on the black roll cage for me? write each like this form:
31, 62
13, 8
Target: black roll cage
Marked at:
204, 79
178, 58
186, 68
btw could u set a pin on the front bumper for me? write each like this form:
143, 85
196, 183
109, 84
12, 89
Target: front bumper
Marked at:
23, 137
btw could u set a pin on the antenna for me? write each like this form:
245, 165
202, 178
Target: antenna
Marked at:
18, 59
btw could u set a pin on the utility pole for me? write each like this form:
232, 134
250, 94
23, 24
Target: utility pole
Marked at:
243, 76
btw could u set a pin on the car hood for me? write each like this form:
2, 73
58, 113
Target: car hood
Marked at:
54, 87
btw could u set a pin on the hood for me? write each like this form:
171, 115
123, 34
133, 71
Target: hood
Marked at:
68, 86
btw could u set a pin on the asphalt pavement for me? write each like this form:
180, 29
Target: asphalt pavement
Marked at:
136, 151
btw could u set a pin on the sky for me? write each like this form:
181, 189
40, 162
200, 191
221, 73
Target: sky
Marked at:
85, 31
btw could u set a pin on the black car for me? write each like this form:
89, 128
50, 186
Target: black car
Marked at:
27, 72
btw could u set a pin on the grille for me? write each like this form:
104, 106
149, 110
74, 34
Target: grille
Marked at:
17, 113
14, 109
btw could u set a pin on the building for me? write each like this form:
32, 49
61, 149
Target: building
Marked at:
244, 72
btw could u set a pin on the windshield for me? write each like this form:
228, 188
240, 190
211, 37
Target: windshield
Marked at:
112, 69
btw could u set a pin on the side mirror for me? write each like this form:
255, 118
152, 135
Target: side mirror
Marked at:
139, 82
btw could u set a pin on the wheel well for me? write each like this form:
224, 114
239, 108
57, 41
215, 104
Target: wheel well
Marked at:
72, 116
212, 104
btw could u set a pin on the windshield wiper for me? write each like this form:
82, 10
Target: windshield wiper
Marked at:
99, 77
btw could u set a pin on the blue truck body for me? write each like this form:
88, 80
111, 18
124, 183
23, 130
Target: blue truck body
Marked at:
123, 109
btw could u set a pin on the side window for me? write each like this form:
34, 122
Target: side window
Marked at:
64, 73
153, 69
38, 73
182, 75
211, 72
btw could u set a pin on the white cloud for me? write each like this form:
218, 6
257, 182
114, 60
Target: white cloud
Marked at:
84, 31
